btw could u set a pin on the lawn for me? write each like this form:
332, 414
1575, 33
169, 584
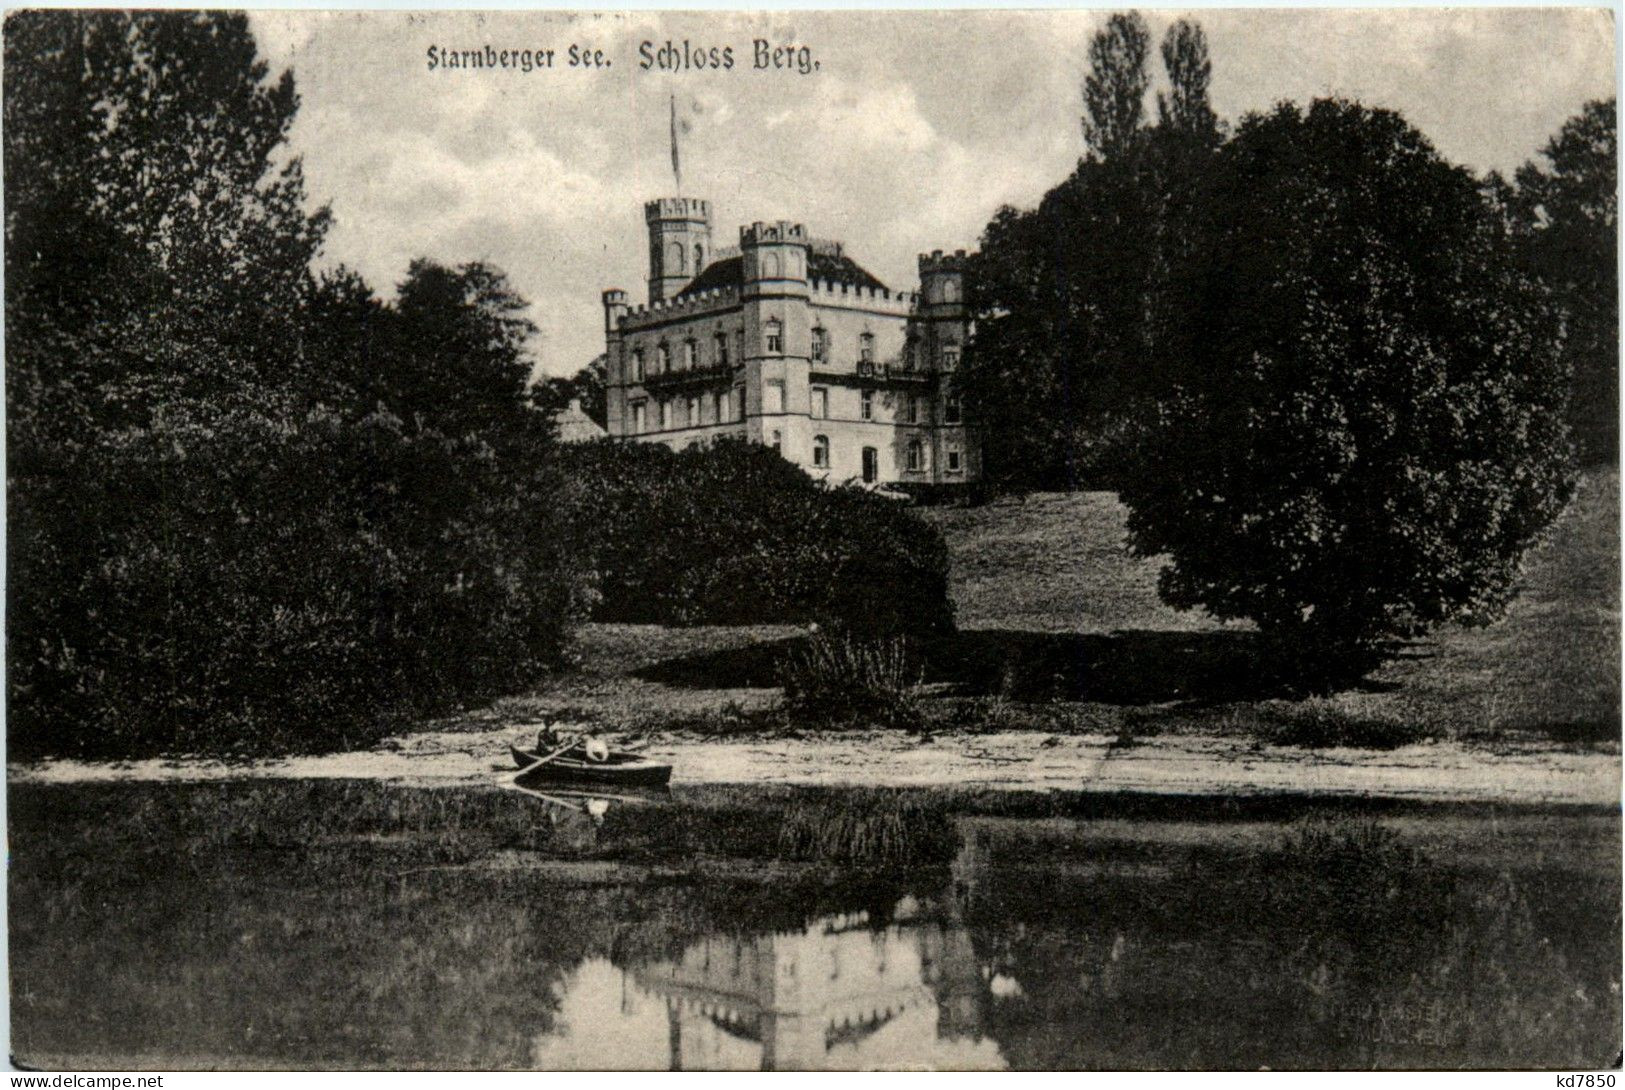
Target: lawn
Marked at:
1062, 631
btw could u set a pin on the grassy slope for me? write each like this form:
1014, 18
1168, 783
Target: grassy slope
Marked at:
1057, 563
1054, 566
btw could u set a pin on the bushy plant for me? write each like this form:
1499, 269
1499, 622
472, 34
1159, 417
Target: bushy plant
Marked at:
248, 586
839, 679
734, 534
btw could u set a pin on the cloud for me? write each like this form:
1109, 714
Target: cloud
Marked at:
912, 132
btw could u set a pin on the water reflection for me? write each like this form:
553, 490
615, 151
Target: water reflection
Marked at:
845, 991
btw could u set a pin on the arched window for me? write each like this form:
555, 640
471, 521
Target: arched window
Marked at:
722, 349
663, 357
677, 257
866, 347
691, 353
775, 335
916, 454
821, 451
699, 257
950, 291
772, 267
637, 365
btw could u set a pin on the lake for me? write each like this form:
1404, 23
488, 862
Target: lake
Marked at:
281, 925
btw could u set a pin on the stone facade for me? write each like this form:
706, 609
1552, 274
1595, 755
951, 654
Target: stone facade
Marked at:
788, 342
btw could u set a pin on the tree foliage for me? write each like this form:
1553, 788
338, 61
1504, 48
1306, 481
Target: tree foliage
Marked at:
586, 386
1568, 212
1114, 90
1369, 434
1073, 329
1184, 108
251, 509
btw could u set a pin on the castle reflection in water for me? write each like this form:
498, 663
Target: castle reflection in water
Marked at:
844, 992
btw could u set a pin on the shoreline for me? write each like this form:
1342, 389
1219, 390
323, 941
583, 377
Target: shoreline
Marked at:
1012, 761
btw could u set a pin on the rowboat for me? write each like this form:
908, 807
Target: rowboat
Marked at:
576, 765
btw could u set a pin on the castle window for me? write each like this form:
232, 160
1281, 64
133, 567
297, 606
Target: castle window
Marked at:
950, 291
953, 460
820, 402
665, 415
775, 335
821, 451
699, 257
637, 365
818, 343
916, 455
772, 397
741, 392
722, 349
691, 353
693, 412
911, 410
640, 417
677, 255
663, 357
950, 409
868, 404
866, 348
778, 439
950, 356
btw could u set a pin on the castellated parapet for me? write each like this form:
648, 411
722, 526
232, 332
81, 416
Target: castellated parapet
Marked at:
677, 208
839, 293
695, 305
758, 234
938, 262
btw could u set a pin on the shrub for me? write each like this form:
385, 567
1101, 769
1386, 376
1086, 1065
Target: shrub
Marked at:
241, 585
839, 679
734, 534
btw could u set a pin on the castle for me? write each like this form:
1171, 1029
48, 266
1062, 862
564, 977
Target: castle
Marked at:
788, 342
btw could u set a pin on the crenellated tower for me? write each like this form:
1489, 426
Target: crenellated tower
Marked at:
778, 328
942, 283
679, 243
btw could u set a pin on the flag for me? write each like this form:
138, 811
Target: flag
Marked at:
676, 167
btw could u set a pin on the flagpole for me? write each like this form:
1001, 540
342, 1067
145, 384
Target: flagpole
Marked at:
676, 164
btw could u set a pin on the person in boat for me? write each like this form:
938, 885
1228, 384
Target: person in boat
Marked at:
550, 738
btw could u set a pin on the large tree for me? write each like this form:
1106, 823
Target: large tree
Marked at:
250, 509
1570, 211
1370, 435
1114, 90
1073, 327
158, 240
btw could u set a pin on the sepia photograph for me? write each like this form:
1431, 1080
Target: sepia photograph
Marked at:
928, 540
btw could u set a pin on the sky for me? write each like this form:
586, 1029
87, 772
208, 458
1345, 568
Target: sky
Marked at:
911, 132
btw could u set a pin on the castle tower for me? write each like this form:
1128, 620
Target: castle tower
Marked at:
942, 284
679, 243
778, 334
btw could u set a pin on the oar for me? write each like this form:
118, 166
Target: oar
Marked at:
540, 761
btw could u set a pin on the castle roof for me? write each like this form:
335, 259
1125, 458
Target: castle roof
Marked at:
822, 264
